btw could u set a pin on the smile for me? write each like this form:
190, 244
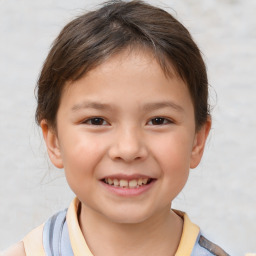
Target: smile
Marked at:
122, 183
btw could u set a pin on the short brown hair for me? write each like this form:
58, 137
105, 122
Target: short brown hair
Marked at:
90, 39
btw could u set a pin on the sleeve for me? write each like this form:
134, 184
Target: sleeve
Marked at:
33, 242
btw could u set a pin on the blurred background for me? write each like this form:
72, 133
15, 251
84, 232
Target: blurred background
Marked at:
220, 195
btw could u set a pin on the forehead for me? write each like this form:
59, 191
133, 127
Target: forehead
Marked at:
136, 56
132, 51
130, 77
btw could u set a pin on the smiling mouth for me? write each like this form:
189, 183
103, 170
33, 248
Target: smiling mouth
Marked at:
122, 183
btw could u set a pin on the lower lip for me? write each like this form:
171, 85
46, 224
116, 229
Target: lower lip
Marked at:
129, 192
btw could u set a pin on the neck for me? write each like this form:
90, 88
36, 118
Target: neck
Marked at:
159, 235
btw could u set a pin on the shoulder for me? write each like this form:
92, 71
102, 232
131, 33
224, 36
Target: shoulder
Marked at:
15, 250
31, 245
205, 247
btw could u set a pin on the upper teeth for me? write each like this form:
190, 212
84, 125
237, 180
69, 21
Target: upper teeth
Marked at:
127, 183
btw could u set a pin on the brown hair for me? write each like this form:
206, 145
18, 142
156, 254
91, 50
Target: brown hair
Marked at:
90, 39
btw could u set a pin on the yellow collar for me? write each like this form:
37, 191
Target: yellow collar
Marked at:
189, 236
188, 239
78, 243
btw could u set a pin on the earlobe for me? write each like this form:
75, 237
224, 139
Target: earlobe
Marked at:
199, 143
52, 144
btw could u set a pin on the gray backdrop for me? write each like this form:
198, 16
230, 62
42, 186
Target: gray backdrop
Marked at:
220, 195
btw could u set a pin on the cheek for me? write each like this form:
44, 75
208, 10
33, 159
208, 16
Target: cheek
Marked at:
81, 154
173, 156
173, 149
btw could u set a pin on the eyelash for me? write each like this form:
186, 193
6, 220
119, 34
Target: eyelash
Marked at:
159, 118
99, 121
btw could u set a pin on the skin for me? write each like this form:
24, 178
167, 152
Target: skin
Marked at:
146, 127
15, 250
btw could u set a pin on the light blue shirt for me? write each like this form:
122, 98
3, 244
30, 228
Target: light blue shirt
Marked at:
56, 240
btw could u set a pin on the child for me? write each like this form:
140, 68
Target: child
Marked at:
122, 103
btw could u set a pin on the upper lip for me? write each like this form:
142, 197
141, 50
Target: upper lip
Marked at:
127, 177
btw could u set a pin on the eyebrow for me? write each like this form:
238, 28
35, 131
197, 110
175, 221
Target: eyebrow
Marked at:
146, 107
162, 104
91, 104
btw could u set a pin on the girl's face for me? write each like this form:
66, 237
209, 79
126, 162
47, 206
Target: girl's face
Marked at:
126, 138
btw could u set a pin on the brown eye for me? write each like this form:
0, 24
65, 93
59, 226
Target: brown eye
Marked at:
159, 121
96, 121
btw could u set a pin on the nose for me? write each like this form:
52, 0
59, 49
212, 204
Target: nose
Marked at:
128, 146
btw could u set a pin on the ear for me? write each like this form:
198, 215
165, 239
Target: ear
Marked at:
52, 144
199, 143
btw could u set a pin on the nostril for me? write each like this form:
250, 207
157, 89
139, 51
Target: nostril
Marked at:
127, 153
